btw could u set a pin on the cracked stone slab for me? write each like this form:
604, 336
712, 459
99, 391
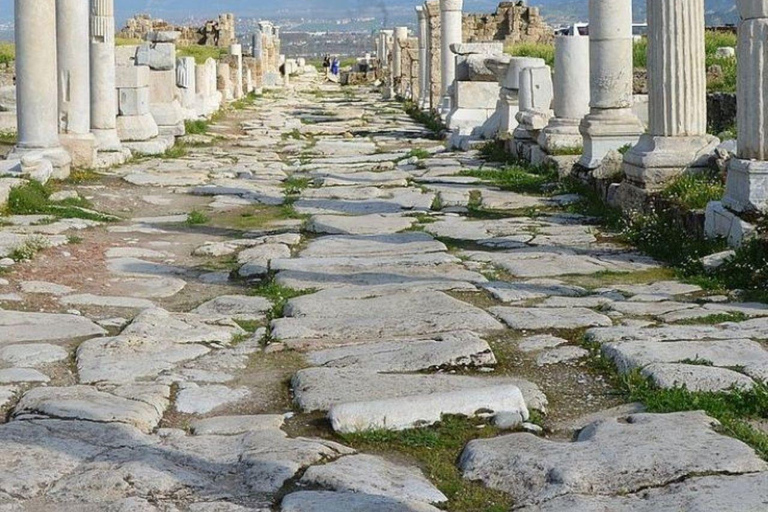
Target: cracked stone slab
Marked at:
660, 288
88, 299
19, 375
561, 355
32, 355
327, 501
147, 287
359, 225
540, 342
550, 318
45, 288
236, 307
743, 353
257, 261
20, 326
369, 474
454, 349
194, 399
87, 403
341, 321
402, 413
696, 377
372, 245
609, 457
719, 493
317, 389
233, 425
534, 289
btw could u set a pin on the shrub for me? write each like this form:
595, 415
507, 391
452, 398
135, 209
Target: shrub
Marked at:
539, 50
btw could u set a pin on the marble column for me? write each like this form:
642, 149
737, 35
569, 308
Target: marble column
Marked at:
236, 50
36, 89
611, 124
677, 137
451, 33
103, 92
401, 38
571, 101
423, 100
747, 186
74, 82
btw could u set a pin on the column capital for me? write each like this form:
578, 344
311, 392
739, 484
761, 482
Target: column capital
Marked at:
420, 12
401, 33
451, 5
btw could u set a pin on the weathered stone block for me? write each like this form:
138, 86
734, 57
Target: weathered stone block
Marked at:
483, 95
133, 102
162, 57
131, 76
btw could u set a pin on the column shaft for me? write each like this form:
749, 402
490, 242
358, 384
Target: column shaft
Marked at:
36, 90
103, 92
74, 69
423, 81
752, 95
677, 80
451, 33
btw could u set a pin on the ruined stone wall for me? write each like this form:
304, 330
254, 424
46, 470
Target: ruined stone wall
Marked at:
219, 32
7, 72
511, 23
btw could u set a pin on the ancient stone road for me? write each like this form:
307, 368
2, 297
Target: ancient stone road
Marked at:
145, 362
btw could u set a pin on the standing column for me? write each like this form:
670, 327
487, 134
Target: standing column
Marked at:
401, 37
72, 29
36, 94
611, 124
571, 102
677, 82
423, 80
236, 50
451, 33
103, 92
747, 186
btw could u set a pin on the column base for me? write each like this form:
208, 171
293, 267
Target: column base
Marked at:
608, 131
721, 222
561, 136
58, 157
747, 186
136, 128
107, 140
81, 147
153, 147
107, 159
654, 161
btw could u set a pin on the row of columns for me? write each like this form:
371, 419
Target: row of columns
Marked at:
63, 97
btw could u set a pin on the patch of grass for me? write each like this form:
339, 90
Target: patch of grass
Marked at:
249, 326
27, 250
419, 153
436, 449
7, 53
640, 53
695, 191
567, 151
537, 50
197, 218
201, 53
244, 102
525, 179
79, 176
179, 150
196, 127
295, 184
278, 294
591, 204
715, 319
127, 41
294, 134
495, 151
746, 271
429, 119
34, 199
475, 201
8, 138
437, 203
253, 217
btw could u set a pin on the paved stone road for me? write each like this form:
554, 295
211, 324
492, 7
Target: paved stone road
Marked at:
140, 374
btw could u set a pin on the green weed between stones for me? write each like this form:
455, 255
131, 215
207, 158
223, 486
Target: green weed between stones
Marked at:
279, 295
419, 153
196, 127
294, 185
33, 198
695, 191
27, 250
523, 179
436, 449
8, 138
197, 218
715, 319
429, 119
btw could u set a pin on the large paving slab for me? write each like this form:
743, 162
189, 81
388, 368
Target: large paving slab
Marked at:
611, 457
313, 320
19, 326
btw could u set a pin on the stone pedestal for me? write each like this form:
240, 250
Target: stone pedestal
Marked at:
677, 82
747, 186
208, 97
224, 82
451, 27
103, 96
571, 102
611, 124
72, 29
434, 58
164, 97
401, 40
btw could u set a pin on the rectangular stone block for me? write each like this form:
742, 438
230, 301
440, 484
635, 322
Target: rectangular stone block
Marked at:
131, 77
162, 86
133, 102
162, 57
477, 94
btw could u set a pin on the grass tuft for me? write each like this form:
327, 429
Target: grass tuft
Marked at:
695, 191
197, 218
196, 127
